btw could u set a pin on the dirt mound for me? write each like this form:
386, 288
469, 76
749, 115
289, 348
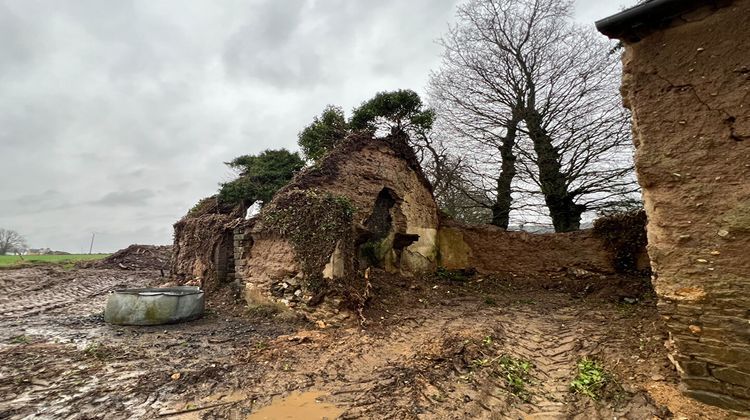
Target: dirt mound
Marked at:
136, 257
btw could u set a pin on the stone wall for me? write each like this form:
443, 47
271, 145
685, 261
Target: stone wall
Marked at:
688, 87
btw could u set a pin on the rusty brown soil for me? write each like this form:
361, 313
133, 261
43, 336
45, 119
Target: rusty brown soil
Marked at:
430, 349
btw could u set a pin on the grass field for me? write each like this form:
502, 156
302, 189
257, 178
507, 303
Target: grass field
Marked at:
66, 260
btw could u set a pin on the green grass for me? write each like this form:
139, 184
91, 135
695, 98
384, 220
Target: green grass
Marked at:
68, 260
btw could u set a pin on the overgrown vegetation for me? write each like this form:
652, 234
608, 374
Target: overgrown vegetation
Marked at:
324, 133
624, 235
313, 222
591, 378
260, 176
399, 111
371, 252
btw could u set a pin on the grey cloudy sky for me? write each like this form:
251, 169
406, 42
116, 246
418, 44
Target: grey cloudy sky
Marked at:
116, 116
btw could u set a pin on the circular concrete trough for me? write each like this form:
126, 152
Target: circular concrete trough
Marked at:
154, 306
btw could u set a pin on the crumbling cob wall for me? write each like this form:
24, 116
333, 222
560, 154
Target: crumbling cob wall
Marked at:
688, 88
489, 249
204, 245
369, 196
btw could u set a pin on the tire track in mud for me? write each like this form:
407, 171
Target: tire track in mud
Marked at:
553, 343
408, 370
21, 296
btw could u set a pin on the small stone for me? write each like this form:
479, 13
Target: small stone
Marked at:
701, 49
320, 324
715, 253
723, 233
176, 376
695, 329
702, 261
657, 377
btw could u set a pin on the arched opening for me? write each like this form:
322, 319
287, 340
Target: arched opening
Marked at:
385, 237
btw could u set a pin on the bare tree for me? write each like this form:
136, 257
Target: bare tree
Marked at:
478, 98
11, 242
448, 173
518, 76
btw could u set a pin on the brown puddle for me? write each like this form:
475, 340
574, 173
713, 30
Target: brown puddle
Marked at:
192, 410
298, 406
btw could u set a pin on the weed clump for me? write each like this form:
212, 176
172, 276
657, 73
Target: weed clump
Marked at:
97, 351
20, 339
516, 372
591, 378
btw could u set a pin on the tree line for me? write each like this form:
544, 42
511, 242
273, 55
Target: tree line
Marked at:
523, 121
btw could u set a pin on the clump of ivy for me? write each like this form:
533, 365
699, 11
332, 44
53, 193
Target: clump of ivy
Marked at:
624, 235
313, 221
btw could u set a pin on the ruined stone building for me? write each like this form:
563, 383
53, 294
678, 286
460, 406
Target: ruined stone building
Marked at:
687, 82
366, 205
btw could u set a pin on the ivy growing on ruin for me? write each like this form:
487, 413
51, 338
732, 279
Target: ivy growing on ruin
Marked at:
313, 222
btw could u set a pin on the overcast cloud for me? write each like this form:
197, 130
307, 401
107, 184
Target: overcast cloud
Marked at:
116, 116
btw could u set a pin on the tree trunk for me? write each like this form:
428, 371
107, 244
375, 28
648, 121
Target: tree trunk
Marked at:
565, 213
503, 199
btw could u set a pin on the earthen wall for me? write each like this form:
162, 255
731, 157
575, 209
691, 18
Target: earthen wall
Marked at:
688, 88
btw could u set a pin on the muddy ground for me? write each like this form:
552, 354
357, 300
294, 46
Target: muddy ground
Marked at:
440, 347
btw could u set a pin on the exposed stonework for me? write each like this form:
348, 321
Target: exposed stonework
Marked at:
688, 87
387, 217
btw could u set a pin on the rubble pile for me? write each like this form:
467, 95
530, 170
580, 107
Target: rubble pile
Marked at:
136, 257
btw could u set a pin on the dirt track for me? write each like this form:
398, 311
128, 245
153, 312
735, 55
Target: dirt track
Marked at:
428, 351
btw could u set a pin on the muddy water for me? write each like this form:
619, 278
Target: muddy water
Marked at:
306, 405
